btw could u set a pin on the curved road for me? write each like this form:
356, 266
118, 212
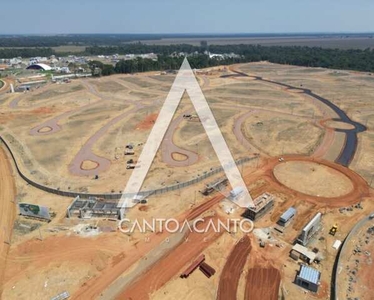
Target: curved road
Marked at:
85, 153
350, 147
168, 146
53, 125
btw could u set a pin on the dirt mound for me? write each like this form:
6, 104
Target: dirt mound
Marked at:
229, 280
262, 283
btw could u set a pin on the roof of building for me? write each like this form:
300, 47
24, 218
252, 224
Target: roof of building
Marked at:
40, 66
261, 201
337, 244
305, 251
309, 274
288, 214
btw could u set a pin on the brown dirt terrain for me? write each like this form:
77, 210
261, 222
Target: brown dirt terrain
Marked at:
313, 179
165, 269
90, 278
229, 280
262, 283
95, 286
148, 122
7, 211
360, 186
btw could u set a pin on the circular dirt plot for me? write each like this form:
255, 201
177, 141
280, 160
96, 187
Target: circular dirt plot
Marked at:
313, 179
89, 165
45, 129
179, 156
337, 125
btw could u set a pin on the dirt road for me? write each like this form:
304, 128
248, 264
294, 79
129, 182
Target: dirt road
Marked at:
360, 186
168, 147
52, 125
167, 268
6, 86
229, 280
262, 283
86, 154
7, 210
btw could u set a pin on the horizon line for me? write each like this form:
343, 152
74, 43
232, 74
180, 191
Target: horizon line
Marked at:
192, 33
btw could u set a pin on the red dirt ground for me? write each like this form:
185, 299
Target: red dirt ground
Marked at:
148, 122
262, 283
42, 110
93, 287
229, 280
360, 186
170, 266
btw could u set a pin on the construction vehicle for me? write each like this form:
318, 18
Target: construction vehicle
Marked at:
333, 230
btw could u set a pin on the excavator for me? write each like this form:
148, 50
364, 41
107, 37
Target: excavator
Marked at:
333, 230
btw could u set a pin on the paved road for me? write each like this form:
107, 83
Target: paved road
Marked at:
338, 267
350, 147
7, 209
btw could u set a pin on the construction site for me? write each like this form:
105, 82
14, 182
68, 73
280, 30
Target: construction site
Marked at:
301, 139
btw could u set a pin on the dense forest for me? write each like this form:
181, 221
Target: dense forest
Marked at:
360, 60
25, 52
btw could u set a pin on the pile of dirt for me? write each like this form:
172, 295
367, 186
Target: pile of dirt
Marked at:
229, 280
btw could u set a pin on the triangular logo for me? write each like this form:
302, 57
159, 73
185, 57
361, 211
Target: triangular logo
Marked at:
186, 81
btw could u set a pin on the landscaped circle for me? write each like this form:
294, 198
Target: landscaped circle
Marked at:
313, 179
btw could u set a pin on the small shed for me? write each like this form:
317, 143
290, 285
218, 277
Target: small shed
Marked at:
304, 253
337, 244
308, 278
287, 216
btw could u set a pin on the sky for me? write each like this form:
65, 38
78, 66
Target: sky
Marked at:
188, 16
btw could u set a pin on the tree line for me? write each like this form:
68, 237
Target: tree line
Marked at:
359, 60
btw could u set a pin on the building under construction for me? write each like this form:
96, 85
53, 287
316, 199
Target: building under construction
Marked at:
262, 205
215, 186
310, 230
93, 207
